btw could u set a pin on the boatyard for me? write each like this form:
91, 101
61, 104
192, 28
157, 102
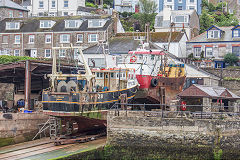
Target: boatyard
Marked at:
105, 79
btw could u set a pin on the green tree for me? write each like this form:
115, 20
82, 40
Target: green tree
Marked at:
205, 21
231, 59
147, 14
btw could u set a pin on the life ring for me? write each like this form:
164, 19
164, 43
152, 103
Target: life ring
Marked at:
133, 59
183, 106
154, 82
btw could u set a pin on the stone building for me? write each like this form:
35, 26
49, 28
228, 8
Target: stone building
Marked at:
206, 98
36, 37
53, 7
214, 43
10, 9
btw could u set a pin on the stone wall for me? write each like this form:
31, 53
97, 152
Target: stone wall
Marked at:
135, 129
232, 85
19, 124
7, 93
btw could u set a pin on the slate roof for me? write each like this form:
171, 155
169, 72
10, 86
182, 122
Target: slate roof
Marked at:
226, 36
33, 24
117, 45
11, 4
208, 91
160, 37
26, 3
86, 9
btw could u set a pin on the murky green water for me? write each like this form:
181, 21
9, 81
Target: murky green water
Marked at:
163, 153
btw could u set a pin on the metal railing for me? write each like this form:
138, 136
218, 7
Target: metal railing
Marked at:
178, 111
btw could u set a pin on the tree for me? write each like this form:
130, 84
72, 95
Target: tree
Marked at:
147, 15
231, 59
205, 21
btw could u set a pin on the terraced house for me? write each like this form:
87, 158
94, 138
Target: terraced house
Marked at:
36, 37
214, 43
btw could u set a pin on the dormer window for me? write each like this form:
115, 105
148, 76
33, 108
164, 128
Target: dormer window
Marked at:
72, 23
94, 23
236, 33
12, 25
214, 34
46, 24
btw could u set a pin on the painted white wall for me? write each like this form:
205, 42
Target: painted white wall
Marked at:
71, 9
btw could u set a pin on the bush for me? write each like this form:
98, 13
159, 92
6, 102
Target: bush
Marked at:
231, 59
9, 59
105, 6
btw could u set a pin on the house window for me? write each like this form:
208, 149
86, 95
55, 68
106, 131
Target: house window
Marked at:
72, 24
179, 1
180, 7
191, 7
53, 4
209, 51
236, 50
65, 13
16, 52
41, 4
79, 38
62, 53
99, 62
12, 25
236, 33
214, 34
17, 39
10, 13
197, 51
170, 6
5, 39
46, 24
65, 4
181, 19
20, 14
191, 1
95, 23
65, 38
48, 38
47, 53
51, 14
169, 0
6, 52
31, 39
92, 38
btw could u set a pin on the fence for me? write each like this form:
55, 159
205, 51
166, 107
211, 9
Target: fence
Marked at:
179, 111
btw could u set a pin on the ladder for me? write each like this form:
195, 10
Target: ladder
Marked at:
53, 124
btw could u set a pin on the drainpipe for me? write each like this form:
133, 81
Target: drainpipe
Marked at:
22, 45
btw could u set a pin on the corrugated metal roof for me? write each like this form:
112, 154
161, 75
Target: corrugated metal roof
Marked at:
11, 4
215, 91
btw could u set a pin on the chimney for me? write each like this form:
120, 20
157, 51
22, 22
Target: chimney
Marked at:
115, 17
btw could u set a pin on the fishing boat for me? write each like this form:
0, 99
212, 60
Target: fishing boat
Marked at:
81, 93
160, 78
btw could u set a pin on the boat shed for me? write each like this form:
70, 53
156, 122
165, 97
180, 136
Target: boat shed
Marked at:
205, 98
28, 79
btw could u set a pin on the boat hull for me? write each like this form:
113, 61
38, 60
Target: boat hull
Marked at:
81, 104
166, 90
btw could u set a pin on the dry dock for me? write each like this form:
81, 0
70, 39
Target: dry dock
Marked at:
45, 149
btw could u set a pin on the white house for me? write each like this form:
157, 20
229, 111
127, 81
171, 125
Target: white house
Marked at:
184, 19
53, 7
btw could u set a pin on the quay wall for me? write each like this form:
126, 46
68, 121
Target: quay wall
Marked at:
134, 128
20, 125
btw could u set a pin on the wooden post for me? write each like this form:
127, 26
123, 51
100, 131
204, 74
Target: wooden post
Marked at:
27, 87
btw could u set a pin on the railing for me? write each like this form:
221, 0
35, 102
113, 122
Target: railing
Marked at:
178, 111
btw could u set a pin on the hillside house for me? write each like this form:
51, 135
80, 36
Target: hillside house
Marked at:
214, 44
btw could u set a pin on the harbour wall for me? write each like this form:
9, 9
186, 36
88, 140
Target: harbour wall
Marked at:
20, 126
134, 128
